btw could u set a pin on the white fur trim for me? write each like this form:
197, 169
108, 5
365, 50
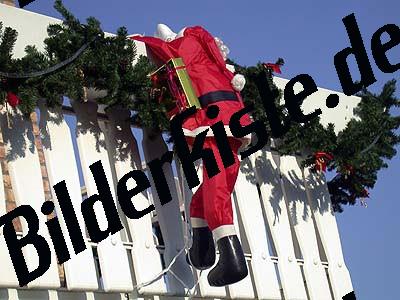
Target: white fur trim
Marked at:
198, 222
238, 82
223, 231
200, 129
231, 68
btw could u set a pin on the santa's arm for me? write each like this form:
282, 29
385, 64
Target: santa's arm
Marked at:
158, 47
219, 52
210, 46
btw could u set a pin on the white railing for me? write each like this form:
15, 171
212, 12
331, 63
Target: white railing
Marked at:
284, 216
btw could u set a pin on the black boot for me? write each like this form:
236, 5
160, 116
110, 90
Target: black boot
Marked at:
202, 253
231, 266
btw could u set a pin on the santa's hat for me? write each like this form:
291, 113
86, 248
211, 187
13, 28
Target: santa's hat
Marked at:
165, 33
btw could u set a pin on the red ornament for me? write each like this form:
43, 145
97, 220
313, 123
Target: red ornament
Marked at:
154, 79
321, 160
274, 67
13, 99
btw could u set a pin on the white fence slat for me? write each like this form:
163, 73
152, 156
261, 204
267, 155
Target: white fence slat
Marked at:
27, 185
8, 278
249, 206
169, 216
113, 257
124, 149
60, 162
11, 294
18, 294
244, 288
205, 290
318, 196
301, 216
268, 176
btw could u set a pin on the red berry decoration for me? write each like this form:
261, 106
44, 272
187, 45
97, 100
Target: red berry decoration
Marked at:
321, 160
276, 68
13, 99
364, 193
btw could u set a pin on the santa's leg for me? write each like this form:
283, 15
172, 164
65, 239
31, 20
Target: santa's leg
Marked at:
217, 205
202, 252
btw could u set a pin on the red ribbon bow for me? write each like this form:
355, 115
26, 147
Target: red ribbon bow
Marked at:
321, 160
174, 88
274, 67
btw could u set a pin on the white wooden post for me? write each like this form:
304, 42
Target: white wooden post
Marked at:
205, 290
318, 196
268, 176
125, 152
250, 210
301, 217
60, 162
169, 216
27, 185
113, 257
244, 288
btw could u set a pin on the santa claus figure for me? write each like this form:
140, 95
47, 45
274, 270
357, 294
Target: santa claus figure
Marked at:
218, 90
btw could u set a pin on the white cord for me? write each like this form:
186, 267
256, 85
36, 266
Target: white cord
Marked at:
188, 241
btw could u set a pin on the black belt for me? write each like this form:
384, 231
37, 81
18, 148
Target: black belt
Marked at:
217, 96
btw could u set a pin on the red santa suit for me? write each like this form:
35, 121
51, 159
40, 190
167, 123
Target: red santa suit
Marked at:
211, 204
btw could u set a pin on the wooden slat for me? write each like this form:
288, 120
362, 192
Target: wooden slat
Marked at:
251, 216
268, 177
168, 215
26, 180
301, 217
319, 199
207, 291
125, 155
244, 288
113, 257
60, 162
14, 294
204, 289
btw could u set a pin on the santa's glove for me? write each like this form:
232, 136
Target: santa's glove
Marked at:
238, 82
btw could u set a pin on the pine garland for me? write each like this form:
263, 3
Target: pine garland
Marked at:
106, 65
359, 151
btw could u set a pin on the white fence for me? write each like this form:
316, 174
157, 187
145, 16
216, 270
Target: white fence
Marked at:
284, 216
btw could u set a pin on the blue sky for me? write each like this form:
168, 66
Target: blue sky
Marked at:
306, 34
